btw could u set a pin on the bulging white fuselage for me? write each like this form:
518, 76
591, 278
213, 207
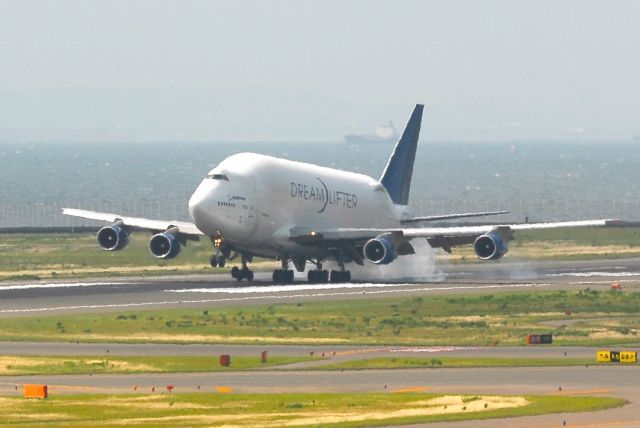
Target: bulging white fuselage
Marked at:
254, 201
256, 205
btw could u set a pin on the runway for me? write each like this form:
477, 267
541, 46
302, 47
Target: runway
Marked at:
28, 298
105, 295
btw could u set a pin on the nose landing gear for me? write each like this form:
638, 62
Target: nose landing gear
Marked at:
244, 272
217, 261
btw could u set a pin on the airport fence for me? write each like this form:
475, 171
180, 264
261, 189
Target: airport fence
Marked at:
49, 215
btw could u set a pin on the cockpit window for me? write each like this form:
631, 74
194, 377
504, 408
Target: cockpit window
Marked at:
218, 177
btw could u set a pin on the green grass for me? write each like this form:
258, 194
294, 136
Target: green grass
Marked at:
70, 255
453, 362
331, 410
598, 318
75, 255
67, 365
57, 365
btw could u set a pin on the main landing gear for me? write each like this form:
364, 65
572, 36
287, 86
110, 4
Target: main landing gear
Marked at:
340, 276
320, 276
244, 272
284, 275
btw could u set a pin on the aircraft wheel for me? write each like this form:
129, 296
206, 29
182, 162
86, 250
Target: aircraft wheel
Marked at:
313, 277
235, 273
334, 276
277, 275
221, 262
288, 276
248, 274
214, 261
347, 276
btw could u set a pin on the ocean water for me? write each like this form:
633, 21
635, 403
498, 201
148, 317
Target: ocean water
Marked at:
541, 181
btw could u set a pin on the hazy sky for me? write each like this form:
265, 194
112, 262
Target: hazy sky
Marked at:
302, 70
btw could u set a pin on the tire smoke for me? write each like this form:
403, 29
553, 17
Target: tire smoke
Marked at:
418, 267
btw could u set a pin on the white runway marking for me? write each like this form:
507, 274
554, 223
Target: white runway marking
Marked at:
590, 274
287, 288
433, 349
320, 287
56, 285
270, 289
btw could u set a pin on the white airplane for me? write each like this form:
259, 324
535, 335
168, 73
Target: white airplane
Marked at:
255, 205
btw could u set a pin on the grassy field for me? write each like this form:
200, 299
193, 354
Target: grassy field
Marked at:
453, 362
68, 255
55, 365
597, 318
58, 365
35, 256
277, 410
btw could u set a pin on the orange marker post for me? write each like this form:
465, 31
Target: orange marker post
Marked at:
35, 391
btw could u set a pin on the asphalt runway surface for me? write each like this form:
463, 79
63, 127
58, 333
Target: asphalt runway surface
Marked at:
28, 298
108, 295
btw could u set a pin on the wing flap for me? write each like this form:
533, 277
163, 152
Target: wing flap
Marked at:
452, 216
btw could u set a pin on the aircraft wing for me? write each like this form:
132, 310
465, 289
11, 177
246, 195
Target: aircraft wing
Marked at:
184, 228
451, 216
445, 237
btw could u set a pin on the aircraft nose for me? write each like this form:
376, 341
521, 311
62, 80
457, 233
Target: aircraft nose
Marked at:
198, 205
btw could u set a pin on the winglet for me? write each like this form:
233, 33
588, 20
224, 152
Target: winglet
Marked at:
396, 177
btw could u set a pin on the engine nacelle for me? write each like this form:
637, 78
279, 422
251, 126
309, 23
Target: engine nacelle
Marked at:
490, 246
113, 238
379, 250
165, 245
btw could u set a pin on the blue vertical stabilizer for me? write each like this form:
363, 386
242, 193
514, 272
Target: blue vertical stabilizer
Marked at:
396, 177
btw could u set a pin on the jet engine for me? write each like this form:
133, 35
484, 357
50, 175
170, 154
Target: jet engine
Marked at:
379, 250
490, 246
113, 238
165, 245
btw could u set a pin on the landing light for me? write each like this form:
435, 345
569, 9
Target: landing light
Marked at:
313, 233
217, 242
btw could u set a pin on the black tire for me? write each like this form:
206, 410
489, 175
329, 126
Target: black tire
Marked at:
325, 276
235, 273
347, 276
288, 276
249, 276
334, 276
222, 262
312, 276
277, 274
213, 261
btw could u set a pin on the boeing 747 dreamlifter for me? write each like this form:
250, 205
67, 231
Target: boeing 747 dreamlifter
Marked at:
255, 205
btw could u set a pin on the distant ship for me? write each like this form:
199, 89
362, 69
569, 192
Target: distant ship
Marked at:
384, 134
